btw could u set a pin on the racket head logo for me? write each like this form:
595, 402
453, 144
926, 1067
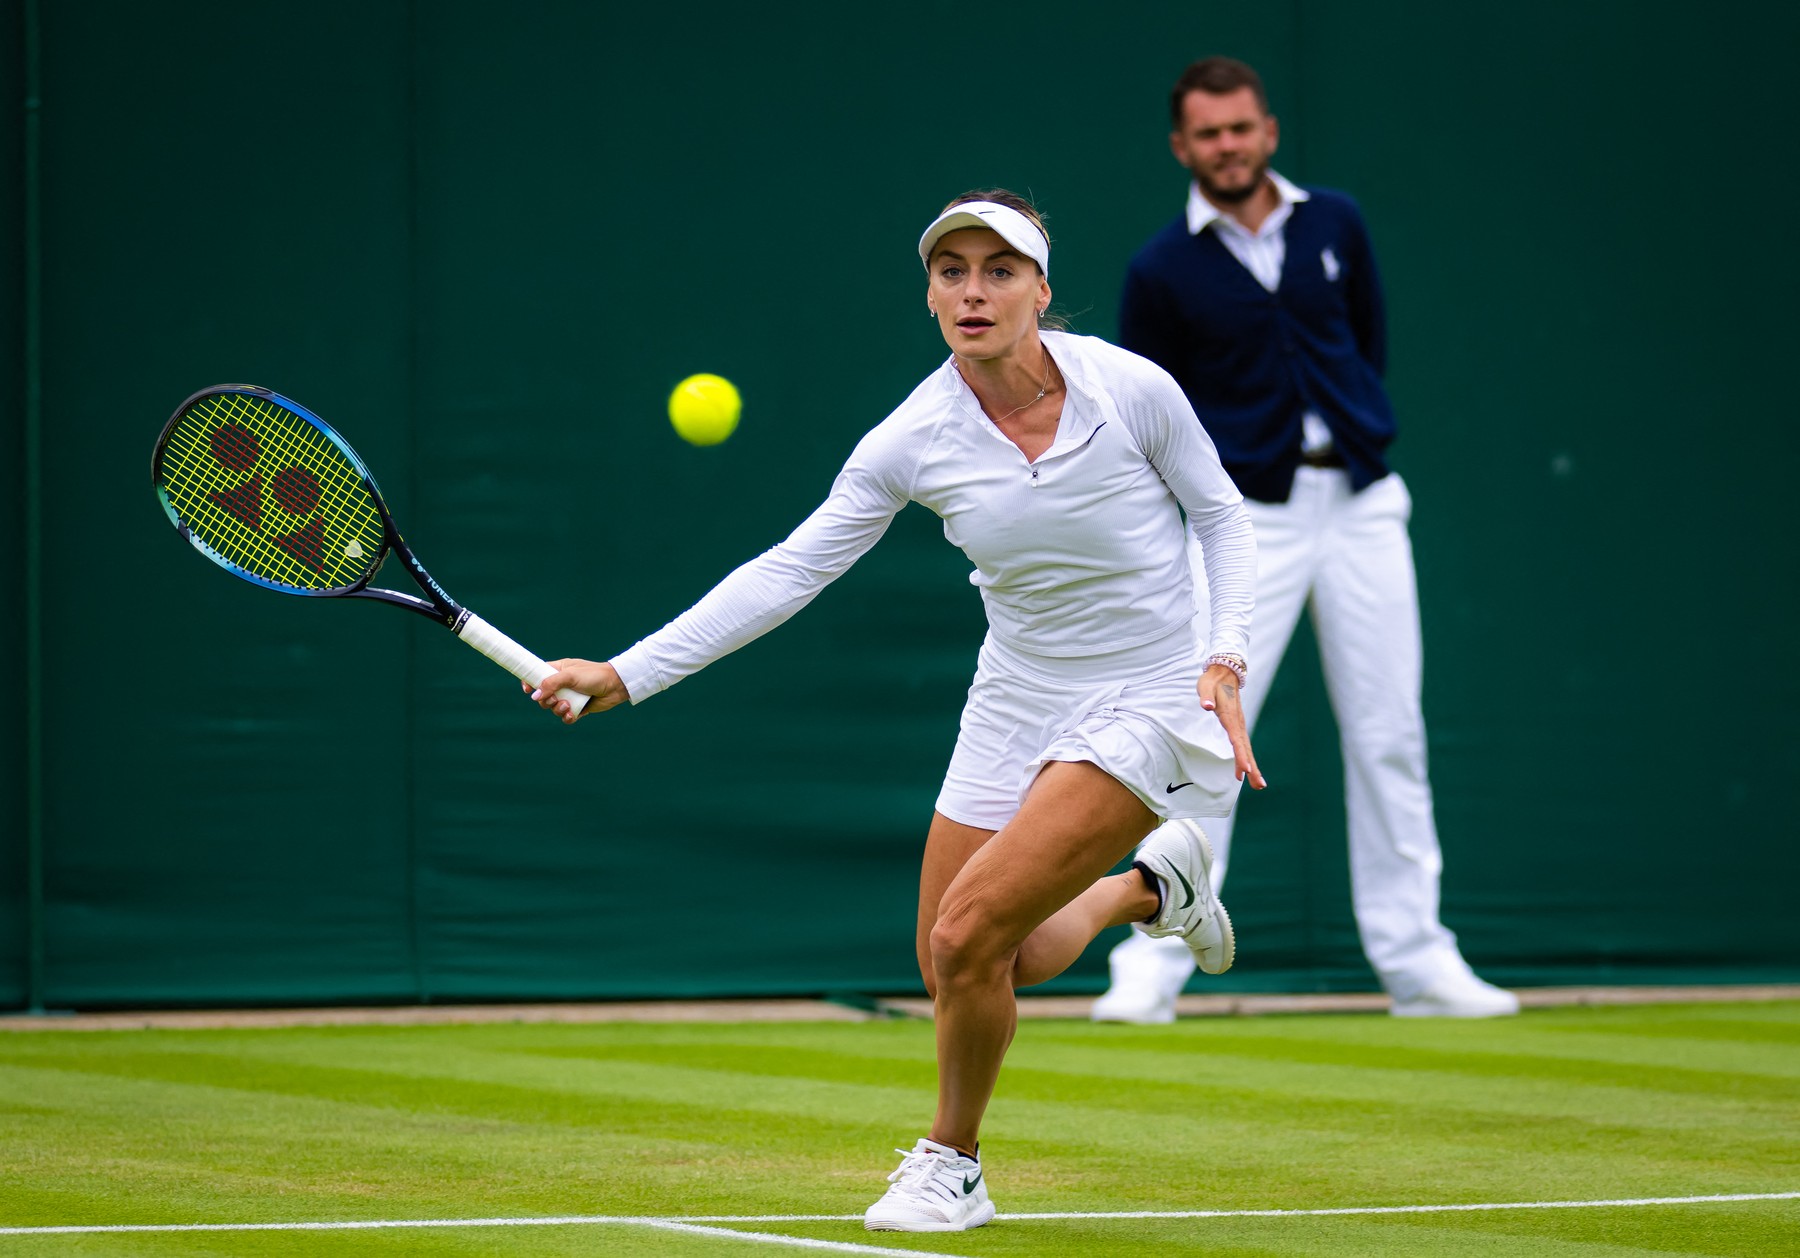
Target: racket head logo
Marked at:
235, 446
267, 490
296, 489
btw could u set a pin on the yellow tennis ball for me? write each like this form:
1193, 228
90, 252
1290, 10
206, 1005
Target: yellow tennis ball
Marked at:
704, 409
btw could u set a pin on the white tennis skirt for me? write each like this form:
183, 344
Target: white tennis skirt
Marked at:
1134, 713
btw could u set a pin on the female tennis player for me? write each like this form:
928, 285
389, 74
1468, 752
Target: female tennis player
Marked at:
1062, 466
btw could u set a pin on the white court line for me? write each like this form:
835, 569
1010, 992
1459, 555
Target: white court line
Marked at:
691, 1223
802, 1242
1480, 1205
1278, 1214
663, 1224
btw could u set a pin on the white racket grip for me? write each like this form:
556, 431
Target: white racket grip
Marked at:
514, 658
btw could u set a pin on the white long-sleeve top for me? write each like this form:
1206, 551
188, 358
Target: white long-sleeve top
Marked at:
1079, 553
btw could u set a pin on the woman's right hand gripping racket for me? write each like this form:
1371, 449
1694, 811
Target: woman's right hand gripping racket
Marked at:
269, 492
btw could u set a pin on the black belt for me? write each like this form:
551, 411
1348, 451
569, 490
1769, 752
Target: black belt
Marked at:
1323, 458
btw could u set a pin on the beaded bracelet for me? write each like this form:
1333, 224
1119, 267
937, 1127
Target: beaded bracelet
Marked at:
1234, 662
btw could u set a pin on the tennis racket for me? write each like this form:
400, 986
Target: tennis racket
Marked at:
269, 492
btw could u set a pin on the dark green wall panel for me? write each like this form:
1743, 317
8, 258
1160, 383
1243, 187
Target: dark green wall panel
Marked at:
1588, 386
486, 249
237, 828
14, 731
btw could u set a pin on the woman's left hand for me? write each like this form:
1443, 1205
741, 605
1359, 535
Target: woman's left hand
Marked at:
1219, 695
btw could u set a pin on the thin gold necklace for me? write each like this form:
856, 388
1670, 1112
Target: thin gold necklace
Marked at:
1034, 401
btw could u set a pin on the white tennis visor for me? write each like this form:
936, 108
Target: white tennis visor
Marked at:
1014, 228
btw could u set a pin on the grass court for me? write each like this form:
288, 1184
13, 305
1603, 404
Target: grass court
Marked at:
744, 1138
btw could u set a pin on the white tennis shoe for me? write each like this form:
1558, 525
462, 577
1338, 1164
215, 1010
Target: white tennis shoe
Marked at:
1458, 993
1147, 978
1181, 857
936, 1189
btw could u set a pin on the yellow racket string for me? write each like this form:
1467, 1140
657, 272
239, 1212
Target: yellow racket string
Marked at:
242, 512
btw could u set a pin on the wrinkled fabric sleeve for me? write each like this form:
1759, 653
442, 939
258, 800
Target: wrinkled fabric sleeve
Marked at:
1149, 324
1368, 308
1183, 455
868, 493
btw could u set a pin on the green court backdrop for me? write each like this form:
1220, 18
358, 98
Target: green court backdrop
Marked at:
485, 243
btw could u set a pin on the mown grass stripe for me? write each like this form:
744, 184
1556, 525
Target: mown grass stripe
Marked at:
693, 1223
1106, 1141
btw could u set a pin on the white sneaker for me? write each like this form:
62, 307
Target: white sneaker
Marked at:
936, 1189
1181, 856
1147, 975
1458, 995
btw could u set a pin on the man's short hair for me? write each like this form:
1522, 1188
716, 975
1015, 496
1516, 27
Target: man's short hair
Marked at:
1216, 76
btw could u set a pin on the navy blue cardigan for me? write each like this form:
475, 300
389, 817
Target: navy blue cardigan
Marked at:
1254, 362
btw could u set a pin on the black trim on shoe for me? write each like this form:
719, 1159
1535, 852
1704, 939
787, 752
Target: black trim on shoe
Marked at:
1156, 885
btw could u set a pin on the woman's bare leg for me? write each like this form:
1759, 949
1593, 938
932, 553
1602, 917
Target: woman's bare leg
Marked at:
1117, 900
1075, 824
948, 846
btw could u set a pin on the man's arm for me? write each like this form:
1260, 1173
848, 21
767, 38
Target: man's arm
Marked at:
1368, 308
1147, 319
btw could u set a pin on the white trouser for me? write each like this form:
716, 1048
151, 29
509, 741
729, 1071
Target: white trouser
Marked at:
1349, 556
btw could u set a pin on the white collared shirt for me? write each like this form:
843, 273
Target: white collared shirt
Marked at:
1263, 253
1081, 552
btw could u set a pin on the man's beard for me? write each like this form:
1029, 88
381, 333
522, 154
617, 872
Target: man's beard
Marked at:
1233, 196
